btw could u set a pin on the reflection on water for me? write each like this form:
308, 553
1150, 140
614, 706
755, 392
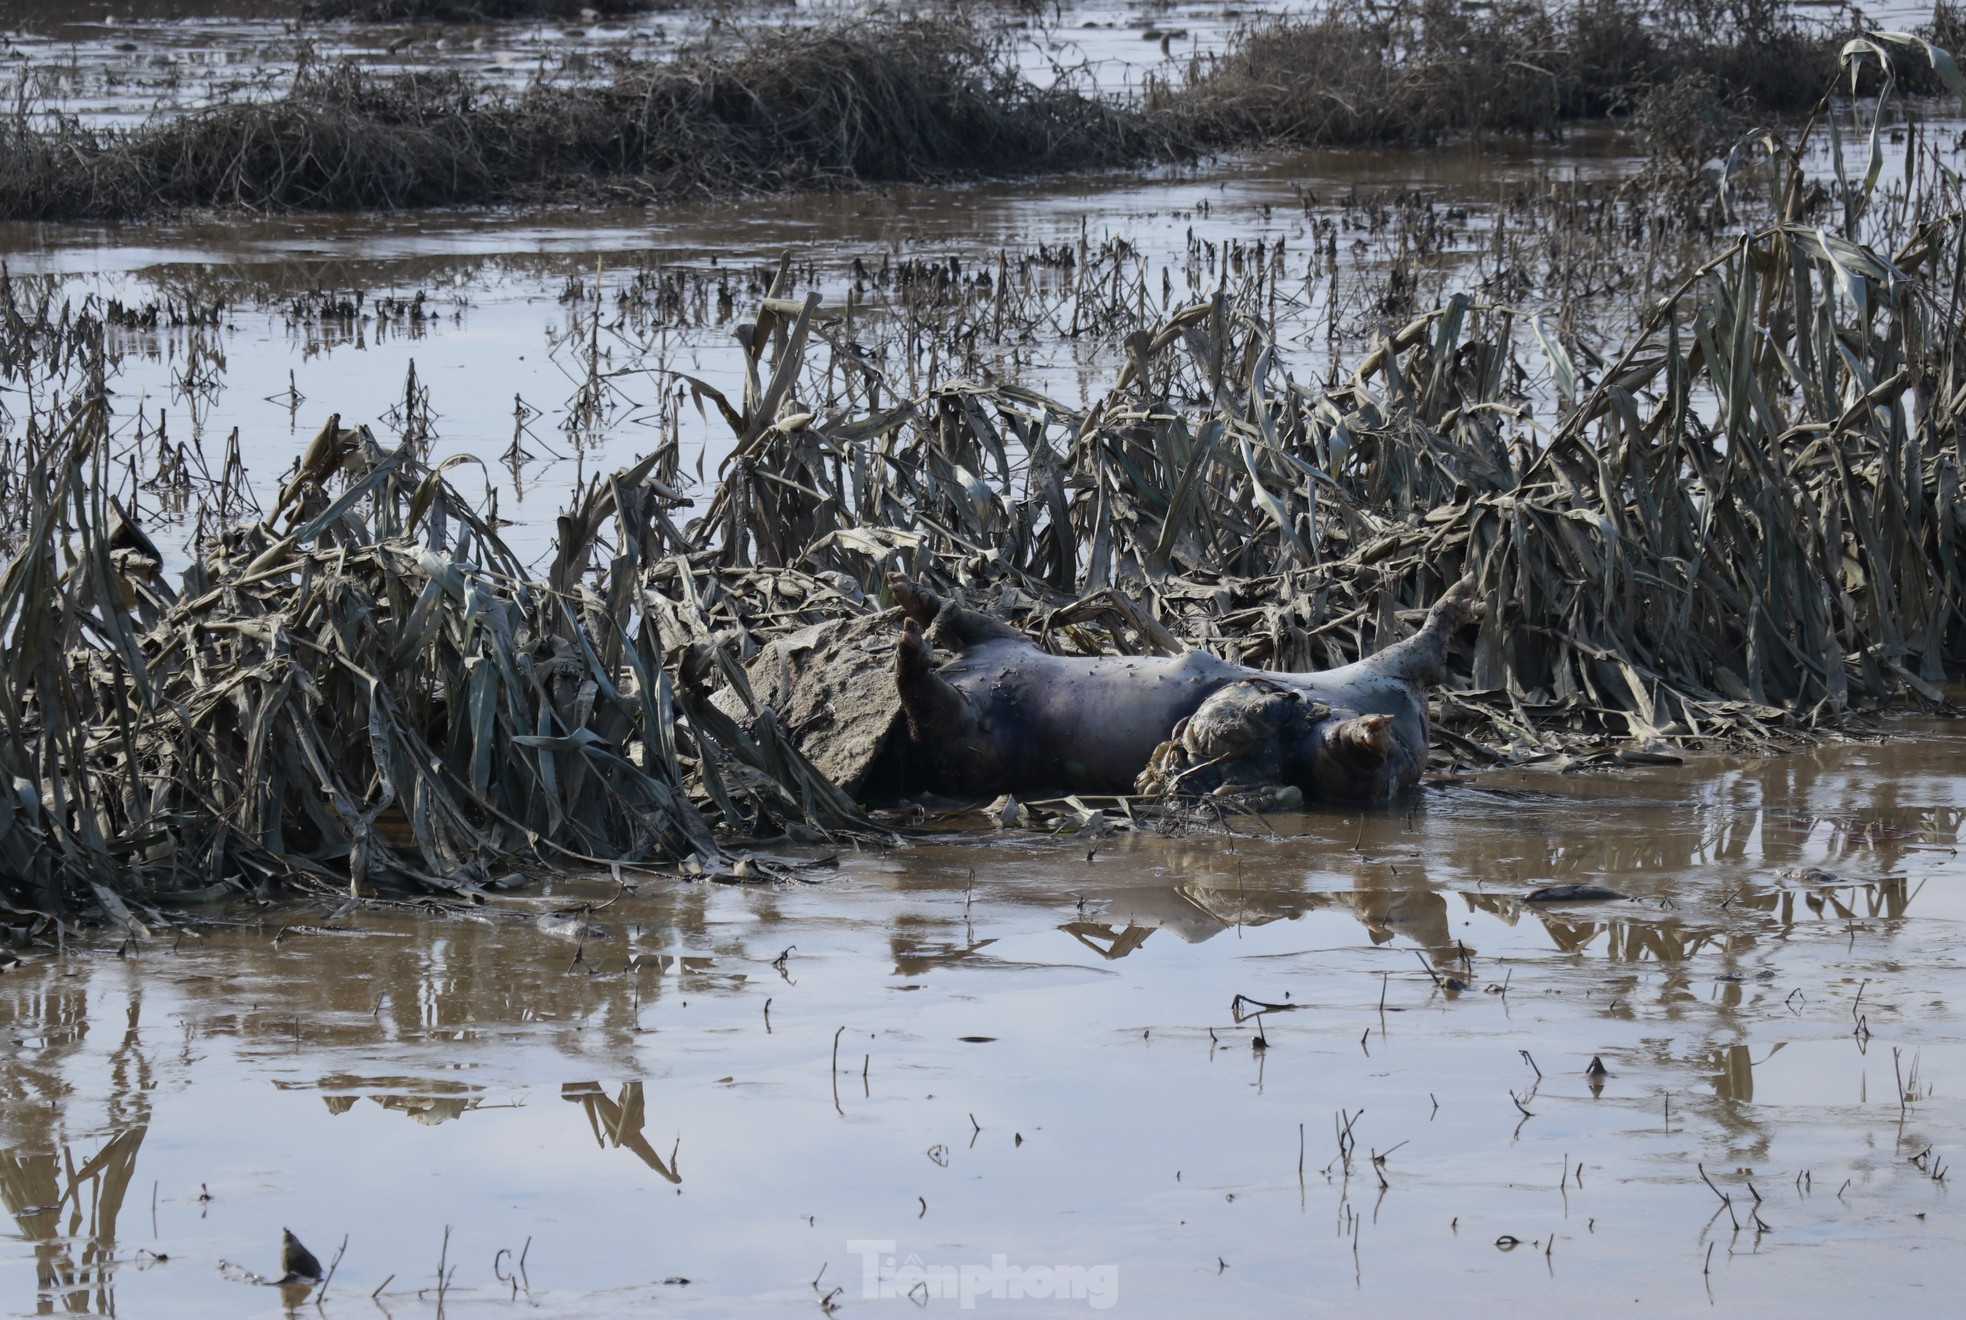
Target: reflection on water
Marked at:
39, 1187
1785, 969
426, 1100
618, 1123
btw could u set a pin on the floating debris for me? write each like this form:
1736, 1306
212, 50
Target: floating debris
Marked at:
1810, 875
297, 1263
1573, 894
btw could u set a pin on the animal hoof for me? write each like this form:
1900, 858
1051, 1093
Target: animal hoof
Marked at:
918, 603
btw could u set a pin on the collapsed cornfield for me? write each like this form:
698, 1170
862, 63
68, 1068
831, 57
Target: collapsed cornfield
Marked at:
1743, 528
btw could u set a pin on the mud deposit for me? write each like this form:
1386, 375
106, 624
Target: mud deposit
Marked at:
999, 1054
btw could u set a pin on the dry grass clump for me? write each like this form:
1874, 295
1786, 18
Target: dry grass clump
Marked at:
875, 101
1426, 70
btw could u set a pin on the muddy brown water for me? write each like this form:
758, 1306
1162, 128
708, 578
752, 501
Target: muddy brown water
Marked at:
1000, 1063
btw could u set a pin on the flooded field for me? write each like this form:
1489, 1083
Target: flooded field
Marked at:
551, 345
1163, 1065
1200, 1073
500, 316
118, 62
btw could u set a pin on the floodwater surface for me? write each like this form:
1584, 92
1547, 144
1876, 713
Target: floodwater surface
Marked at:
1018, 1066
498, 321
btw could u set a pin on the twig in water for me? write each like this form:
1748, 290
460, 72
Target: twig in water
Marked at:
836, 1071
1726, 1201
322, 1296
1259, 1007
443, 1278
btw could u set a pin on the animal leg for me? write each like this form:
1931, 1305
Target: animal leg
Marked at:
944, 725
938, 714
946, 619
1422, 658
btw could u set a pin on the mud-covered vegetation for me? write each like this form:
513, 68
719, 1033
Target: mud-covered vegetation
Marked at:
875, 102
1744, 525
881, 99
1432, 70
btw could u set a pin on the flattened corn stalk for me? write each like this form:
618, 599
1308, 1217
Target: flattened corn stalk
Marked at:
363, 690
